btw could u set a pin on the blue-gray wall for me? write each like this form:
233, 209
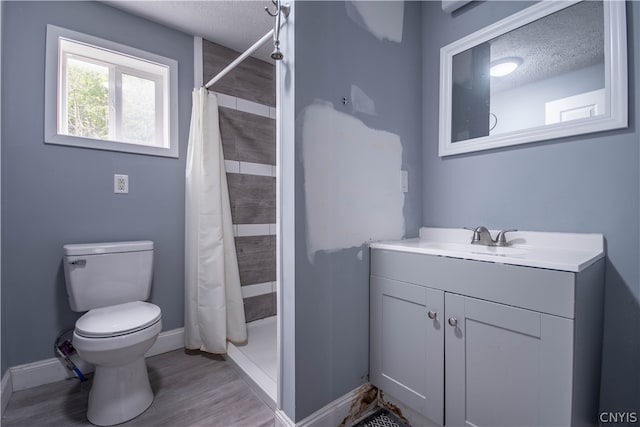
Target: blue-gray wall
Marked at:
1, 32
52, 195
585, 184
332, 293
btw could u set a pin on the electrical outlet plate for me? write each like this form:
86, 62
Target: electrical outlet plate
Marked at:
120, 184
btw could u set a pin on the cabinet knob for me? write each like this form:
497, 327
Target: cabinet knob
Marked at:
432, 314
453, 321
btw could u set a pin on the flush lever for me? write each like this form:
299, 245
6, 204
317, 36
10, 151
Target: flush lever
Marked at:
78, 262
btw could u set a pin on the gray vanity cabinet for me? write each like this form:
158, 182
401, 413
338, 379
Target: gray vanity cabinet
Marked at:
407, 357
506, 366
470, 343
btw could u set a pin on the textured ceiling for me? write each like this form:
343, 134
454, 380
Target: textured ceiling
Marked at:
568, 40
564, 41
233, 23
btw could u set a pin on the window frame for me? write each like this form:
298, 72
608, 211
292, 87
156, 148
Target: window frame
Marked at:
166, 86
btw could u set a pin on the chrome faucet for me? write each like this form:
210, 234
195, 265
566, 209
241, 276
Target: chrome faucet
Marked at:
482, 236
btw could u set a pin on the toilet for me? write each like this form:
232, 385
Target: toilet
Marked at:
111, 282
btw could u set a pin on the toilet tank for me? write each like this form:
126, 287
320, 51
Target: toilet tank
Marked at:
103, 274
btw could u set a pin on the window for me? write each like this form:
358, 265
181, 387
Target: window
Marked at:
108, 96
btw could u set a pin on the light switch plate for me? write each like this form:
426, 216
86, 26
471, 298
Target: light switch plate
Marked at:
405, 181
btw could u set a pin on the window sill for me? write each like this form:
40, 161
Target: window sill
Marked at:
100, 144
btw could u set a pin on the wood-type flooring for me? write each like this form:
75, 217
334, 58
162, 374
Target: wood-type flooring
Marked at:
191, 389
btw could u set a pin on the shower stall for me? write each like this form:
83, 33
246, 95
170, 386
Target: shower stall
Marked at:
247, 99
231, 229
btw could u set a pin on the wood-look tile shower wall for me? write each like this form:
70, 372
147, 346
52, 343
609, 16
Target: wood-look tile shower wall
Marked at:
250, 138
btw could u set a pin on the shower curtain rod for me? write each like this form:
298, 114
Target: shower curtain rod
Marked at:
238, 60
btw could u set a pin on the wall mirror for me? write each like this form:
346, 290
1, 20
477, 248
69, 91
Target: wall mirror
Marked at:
552, 70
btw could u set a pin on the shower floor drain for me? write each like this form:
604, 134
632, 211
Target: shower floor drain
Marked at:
381, 418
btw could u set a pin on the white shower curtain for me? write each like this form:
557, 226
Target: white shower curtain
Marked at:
214, 310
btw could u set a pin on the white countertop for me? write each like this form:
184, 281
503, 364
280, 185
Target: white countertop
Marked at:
555, 251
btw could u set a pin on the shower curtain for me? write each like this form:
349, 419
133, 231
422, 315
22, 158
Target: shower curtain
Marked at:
214, 311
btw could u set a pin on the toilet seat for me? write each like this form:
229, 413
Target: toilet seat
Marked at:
118, 320
86, 345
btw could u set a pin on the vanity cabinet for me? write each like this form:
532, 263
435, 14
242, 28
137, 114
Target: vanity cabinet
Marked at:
506, 366
407, 358
473, 343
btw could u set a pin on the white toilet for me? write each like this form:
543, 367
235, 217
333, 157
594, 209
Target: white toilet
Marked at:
112, 281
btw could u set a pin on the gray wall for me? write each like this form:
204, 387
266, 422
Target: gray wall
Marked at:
585, 184
1, 32
52, 195
332, 291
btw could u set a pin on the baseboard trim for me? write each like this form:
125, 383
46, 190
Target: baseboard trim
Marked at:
331, 414
37, 373
47, 371
167, 341
6, 390
282, 420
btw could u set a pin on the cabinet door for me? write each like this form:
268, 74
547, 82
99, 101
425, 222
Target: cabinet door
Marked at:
407, 347
506, 366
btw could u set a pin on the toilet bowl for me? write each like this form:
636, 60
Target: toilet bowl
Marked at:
115, 339
111, 282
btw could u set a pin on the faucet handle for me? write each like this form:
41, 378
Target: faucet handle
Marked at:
501, 239
476, 233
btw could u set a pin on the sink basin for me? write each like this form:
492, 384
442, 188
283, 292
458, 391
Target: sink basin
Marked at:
555, 251
474, 249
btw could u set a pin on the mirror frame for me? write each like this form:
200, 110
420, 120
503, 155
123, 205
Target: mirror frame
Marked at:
615, 79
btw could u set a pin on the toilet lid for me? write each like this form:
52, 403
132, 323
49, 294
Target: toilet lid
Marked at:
118, 319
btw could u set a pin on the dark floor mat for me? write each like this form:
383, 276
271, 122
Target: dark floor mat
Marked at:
381, 418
